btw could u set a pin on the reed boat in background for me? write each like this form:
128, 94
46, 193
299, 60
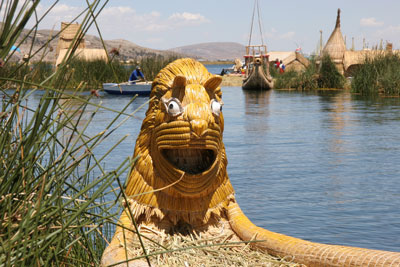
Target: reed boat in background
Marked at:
139, 88
257, 75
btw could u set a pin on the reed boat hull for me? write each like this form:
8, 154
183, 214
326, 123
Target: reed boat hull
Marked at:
257, 80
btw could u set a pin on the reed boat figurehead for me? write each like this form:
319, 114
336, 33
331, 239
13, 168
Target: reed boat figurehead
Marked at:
180, 179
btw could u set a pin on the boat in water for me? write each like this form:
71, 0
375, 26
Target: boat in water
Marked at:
140, 88
257, 76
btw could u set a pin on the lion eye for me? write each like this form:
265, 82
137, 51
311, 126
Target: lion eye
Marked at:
173, 106
216, 106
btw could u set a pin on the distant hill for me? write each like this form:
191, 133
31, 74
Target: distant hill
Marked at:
129, 50
213, 51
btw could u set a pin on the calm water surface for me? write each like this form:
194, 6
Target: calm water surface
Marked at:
322, 166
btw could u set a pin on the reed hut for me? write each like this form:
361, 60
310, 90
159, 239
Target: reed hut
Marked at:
69, 34
292, 60
84, 54
336, 47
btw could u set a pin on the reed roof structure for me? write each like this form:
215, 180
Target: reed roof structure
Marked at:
88, 54
335, 47
291, 59
69, 34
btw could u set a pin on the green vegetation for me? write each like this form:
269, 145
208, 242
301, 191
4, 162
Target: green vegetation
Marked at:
94, 73
52, 187
327, 76
151, 66
380, 75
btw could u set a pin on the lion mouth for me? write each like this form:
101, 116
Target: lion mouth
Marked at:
192, 161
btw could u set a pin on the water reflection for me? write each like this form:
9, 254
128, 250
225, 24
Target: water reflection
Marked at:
338, 107
256, 102
256, 105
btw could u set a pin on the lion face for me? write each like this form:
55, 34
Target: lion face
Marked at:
188, 127
181, 170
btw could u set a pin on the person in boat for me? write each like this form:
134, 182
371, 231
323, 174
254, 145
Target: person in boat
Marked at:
136, 73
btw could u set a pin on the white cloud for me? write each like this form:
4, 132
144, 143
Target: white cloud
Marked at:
118, 11
370, 22
187, 17
125, 22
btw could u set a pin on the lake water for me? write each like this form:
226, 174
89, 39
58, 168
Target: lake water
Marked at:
322, 166
217, 68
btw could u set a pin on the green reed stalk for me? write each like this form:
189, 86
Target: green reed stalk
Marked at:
378, 75
52, 186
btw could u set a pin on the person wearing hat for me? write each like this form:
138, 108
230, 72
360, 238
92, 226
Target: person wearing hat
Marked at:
136, 73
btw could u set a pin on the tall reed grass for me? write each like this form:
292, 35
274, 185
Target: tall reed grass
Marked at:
378, 75
313, 77
329, 76
52, 187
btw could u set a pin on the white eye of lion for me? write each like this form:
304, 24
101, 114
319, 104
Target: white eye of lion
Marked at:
216, 107
173, 106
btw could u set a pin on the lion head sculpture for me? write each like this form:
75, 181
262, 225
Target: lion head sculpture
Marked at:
181, 149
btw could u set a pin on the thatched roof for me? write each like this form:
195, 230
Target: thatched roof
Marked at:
280, 55
86, 54
335, 47
288, 57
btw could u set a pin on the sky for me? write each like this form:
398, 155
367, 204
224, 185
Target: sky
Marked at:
286, 25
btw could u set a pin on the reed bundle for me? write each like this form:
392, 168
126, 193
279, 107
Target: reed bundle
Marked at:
219, 246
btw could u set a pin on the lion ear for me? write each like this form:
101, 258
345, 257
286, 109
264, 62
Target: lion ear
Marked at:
213, 83
179, 82
178, 86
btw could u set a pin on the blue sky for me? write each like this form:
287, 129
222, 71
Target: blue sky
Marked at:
163, 24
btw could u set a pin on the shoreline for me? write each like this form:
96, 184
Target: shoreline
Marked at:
232, 81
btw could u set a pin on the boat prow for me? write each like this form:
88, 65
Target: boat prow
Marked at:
257, 69
258, 79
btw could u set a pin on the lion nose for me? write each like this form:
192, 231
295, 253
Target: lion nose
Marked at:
198, 127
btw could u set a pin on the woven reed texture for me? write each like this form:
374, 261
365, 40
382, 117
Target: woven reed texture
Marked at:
305, 252
335, 46
69, 33
199, 196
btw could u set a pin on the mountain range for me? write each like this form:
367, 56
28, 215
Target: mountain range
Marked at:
213, 51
